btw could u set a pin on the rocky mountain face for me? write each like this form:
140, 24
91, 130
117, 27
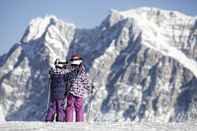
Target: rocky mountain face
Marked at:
143, 63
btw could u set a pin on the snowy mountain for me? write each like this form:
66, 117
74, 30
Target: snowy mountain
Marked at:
143, 62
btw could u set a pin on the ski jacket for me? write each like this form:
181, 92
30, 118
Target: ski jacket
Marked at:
77, 82
57, 83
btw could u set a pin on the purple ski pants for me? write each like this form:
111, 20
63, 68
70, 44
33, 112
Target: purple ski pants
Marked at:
74, 103
56, 106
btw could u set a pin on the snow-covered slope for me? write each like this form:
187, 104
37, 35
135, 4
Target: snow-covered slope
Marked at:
157, 30
106, 126
143, 62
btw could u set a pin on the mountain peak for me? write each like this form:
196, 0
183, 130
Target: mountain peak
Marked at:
38, 26
150, 11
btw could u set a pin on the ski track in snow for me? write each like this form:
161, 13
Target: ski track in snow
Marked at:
104, 126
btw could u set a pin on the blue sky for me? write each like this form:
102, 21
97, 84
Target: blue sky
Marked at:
16, 14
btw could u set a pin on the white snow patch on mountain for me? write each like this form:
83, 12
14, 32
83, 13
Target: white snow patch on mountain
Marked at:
153, 35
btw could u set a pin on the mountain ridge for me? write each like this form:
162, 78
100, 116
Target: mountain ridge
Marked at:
134, 64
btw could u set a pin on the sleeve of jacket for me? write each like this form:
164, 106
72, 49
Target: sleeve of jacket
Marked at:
85, 81
67, 83
49, 74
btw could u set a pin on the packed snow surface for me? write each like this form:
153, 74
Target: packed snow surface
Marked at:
144, 126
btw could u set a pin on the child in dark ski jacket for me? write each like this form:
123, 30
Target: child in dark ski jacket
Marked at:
78, 85
57, 93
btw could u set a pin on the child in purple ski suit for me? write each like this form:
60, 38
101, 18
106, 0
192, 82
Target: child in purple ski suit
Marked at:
77, 82
57, 93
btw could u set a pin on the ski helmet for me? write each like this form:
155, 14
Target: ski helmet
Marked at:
76, 59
